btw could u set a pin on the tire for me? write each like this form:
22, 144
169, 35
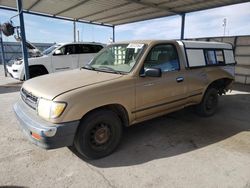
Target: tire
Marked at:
37, 71
209, 103
99, 134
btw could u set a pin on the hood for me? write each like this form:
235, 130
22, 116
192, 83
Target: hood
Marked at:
38, 58
52, 85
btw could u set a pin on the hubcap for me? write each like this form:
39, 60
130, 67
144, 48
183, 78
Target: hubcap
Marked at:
100, 135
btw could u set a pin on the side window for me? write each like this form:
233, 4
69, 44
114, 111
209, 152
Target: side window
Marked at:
69, 49
87, 48
83, 49
214, 57
62, 50
93, 48
96, 48
210, 57
219, 57
78, 48
163, 56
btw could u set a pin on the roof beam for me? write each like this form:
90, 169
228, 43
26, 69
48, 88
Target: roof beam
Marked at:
56, 17
125, 12
138, 20
72, 7
154, 5
210, 7
102, 11
193, 3
146, 6
33, 5
134, 16
121, 22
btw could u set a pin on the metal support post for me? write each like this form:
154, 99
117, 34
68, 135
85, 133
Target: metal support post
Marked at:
182, 25
74, 30
113, 33
23, 39
3, 55
78, 36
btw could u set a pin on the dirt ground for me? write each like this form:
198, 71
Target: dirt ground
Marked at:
176, 150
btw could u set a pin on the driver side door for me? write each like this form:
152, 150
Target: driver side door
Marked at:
64, 59
156, 95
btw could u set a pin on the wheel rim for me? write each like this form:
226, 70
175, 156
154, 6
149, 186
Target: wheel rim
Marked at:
211, 102
100, 136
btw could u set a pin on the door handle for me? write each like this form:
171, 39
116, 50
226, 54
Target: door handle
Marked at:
62, 68
179, 79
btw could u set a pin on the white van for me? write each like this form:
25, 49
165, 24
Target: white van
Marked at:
59, 57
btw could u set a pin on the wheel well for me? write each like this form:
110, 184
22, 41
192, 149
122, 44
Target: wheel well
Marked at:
221, 85
118, 109
40, 67
37, 67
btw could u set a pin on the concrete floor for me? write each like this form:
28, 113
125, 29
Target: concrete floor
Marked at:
176, 150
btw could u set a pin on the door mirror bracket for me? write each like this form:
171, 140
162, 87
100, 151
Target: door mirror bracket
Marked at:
151, 72
58, 52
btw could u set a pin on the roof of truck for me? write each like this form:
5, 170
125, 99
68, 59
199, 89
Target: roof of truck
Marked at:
187, 43
202, 44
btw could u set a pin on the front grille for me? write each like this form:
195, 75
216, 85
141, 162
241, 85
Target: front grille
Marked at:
28, 98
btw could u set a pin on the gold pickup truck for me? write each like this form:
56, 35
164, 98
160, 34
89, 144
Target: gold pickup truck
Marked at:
126, 83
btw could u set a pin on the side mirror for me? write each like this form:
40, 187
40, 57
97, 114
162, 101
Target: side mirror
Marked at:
58, 52
152, 72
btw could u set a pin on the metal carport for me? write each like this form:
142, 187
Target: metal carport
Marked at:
108, 12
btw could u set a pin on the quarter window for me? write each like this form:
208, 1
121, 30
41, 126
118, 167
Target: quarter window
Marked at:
163, 56
214, 57
219, 57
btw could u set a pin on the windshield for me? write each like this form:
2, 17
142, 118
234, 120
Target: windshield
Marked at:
117, 57
50, 49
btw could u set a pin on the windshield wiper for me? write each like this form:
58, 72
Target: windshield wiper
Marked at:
88, 67
108, 69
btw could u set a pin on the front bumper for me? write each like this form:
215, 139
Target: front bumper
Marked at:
14, 72
51, 135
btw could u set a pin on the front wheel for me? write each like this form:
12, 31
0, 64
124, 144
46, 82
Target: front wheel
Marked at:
209, 103
99, 134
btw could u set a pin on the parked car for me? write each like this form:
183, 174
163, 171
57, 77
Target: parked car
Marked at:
33, 51
126, 83
58, 57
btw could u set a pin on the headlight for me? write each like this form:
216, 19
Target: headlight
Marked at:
18, 62
49, 109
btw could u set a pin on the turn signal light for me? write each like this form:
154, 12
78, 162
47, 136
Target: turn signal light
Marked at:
36, 136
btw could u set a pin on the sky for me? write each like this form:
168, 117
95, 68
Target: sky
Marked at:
198, 24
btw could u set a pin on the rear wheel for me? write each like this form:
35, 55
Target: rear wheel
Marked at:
99, 134
209, 103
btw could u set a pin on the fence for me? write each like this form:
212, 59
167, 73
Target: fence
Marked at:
13, 50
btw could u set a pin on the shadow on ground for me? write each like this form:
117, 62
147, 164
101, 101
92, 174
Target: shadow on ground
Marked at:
178, 133
11, 87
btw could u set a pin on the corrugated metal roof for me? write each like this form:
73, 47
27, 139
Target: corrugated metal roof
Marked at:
115, 12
